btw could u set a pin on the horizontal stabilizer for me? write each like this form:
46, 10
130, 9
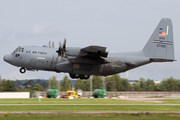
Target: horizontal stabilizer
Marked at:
160, 60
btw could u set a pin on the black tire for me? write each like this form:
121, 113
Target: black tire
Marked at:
81, 77
86, 76
72, 76
22, 70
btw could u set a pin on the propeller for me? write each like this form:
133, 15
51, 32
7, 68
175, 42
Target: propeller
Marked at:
62, 49
59, 51
53, 44
49, 44
64, 45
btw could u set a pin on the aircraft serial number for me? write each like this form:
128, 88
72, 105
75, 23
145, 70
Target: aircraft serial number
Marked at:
159, 45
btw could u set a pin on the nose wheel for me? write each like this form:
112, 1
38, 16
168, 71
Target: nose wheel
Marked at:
22, 70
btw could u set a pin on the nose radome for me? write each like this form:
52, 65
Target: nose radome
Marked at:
7, 58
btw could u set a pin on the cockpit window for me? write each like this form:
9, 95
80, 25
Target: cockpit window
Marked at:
19, 49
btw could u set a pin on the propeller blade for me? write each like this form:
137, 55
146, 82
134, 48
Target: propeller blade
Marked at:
60, 44
49, 44
53, 44
64, 45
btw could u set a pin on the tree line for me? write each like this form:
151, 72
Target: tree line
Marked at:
116, 83
112, 83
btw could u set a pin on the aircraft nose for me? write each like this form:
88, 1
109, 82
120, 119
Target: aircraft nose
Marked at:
7, 58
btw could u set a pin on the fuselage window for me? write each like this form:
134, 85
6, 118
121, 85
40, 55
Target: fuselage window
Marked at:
17, 55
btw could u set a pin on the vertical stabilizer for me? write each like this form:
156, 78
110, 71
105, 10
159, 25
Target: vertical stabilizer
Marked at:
161, 45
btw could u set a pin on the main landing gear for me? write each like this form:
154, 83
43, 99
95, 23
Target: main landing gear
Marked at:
74, 76
22, 70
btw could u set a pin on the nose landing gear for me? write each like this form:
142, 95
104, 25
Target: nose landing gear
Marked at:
22, 70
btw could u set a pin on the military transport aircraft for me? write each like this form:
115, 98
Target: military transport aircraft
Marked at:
95, 60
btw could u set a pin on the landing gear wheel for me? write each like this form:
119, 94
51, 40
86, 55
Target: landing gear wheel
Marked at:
81, 76
22, 70
72, 76
86, 76
76, 76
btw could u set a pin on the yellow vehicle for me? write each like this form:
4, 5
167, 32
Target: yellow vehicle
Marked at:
72, 94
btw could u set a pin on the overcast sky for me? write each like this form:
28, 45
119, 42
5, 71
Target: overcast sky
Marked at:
119, 25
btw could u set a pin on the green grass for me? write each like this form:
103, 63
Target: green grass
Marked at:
139, 116
171, 101
82, 101
10, 108
120, 107
64, 101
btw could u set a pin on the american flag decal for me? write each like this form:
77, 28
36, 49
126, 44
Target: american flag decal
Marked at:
162, 33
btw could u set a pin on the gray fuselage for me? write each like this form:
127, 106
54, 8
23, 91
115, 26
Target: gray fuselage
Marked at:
45, 58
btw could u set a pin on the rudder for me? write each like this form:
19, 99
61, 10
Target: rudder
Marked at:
160, 46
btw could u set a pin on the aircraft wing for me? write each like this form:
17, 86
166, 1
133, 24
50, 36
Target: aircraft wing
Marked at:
88, 55
95, 51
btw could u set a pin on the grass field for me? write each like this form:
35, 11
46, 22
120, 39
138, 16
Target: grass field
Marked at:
47, 108
93, 117
99, 116
119, 107
82, 101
